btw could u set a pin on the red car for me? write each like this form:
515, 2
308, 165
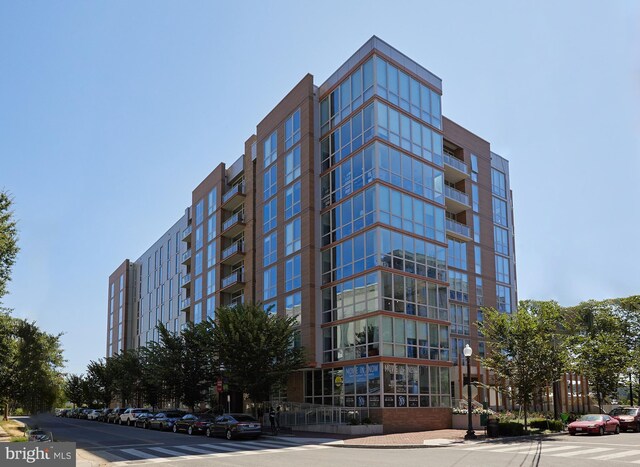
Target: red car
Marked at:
596, 424
629, 418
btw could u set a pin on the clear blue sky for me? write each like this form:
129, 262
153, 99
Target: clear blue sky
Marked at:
112, 112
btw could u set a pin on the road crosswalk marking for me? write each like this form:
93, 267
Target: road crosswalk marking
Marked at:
566, 451
581, 452
617, 455
203, 451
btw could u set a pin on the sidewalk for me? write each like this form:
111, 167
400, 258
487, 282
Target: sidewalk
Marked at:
419, 439
4, 436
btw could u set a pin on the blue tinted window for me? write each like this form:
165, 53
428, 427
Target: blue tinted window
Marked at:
292, 130
270, 179
270, 283
270, 211
270, 149
292, 200
270, 249
293, 274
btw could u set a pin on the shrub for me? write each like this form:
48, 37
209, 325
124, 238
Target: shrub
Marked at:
544, 424
366, 421
510, 429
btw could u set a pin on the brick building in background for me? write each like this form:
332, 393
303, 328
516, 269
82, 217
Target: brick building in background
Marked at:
359, 208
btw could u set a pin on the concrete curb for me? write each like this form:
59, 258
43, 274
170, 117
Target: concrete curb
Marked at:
444, 444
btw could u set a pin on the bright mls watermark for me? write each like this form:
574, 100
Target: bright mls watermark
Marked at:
50, 454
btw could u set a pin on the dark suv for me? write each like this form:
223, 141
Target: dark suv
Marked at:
114, 415
629, 418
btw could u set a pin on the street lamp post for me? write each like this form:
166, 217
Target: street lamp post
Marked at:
470, 433
630, 388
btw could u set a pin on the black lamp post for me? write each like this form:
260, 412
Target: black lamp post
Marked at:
470, 433
630, 389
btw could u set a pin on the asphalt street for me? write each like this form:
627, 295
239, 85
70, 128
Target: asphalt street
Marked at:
125, 446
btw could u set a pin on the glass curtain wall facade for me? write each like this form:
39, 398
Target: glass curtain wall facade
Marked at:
363, 212
383, 244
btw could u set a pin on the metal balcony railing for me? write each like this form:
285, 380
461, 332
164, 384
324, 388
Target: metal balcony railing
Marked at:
455, 163
456, 194
237, 217
234, 190
237, 247
455, 226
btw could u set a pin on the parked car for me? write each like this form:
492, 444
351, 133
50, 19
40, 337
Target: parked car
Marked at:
94, 414
165, 420
194, 423
129, 416
596, 424
84, 413
62, 413
235, 425
114, 415
629, 418
73, 413
102, 416
39, 435
143, 419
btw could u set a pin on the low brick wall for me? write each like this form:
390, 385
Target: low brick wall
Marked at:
402, 420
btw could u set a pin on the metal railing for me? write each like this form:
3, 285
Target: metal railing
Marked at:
455, 226
236, 247
186, 303
299, 414
186, 232
185, 279
186, 255
234, 190
455, 163
236, 276
237, 217
456, 194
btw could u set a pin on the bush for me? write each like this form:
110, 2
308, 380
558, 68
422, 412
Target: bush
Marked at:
510, 429
366, 421
544, 424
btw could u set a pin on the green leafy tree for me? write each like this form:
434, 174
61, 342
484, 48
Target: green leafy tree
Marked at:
126, 369
8, 241
73, 388
8, 353
37, 368
601, 345
198, 364
165, 359
100, 382
526, 348
255, 348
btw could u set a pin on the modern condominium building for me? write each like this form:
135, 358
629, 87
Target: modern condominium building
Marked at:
362, 211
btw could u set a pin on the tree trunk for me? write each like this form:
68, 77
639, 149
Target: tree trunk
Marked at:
525, 416
6, 412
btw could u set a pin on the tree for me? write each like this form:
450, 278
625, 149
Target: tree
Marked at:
38, 361
165, 359
8, 352
126, 368
73, 388
601, 345
255, 348
526, 348
99, 382
8, 241
198, 364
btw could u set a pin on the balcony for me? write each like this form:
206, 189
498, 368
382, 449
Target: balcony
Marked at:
458, 230
186, 256
455, 200
233, 253
186, 233
234, 197
454, 169
233, 282
185, 304
186, 280
233, 226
